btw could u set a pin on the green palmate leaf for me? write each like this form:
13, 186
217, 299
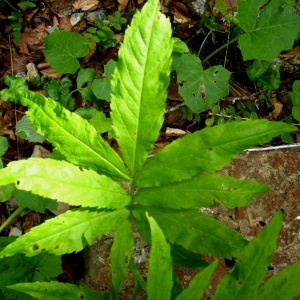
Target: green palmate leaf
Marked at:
73, 136
209, 149
200, 88
198, 284
57, 291
284, 285
252, 265
41, 267
192, 230
201, 191
63, 48
139, 85
66, 233
64, 182
120, 254
101, 87
270, 26
159, 282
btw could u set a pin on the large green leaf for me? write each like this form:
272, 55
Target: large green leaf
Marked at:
120, 254
270, 26
284, 285
72, 135
201, 191
198, 284
159, 282
63, 48
66, 233
252, 265
207, 150
65, 182
57, 291
139, 85
193, 230
200, 88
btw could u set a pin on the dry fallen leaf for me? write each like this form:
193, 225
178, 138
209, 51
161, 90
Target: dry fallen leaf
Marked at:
85, 4
122, 4
277, 109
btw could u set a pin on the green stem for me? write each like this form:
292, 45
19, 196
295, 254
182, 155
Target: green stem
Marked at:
137, 275
10, 218
219, 49
135, 290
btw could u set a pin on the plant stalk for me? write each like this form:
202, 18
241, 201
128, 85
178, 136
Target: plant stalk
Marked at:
219, 49
137, 275
10, 218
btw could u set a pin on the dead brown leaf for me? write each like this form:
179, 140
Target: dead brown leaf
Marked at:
85, 4
50, 73
277, 109
180, 12
122, 4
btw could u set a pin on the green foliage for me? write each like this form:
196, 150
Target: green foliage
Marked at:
56, 290
26, 4
266, 73
101, 87
160, 264
270, 27
198, 284
84, 80
101, 34
161, 196
295, 97
3, 148
252, 264
116, 20
63, 48
41, 267
16, 25
200, 88
25, 130
60, 92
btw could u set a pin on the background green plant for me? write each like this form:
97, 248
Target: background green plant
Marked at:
161, 195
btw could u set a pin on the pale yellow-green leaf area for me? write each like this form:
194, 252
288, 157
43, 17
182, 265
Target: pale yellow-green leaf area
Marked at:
64, 182
69, 232
139, 85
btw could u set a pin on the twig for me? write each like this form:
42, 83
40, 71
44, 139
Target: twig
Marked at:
175, 107
268, 148
11, 218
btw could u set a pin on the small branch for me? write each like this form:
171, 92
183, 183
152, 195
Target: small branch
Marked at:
11, 218
137, 275
273, 147
218, 50
175, 107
